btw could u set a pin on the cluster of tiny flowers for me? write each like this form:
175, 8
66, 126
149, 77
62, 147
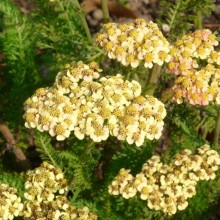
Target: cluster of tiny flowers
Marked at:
196, 84
134, 43
45, 197
191, 47
168, 187
44, 182
198, 88
82, 103
57, 209
10, 203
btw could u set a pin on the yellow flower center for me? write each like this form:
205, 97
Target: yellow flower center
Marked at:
162, 55
67, 109
59, 130
108, 46
148, 57
29, 117
55, 113
40, 92
119, 50
118, 112
130, 58
128, 120
140, 100
131, 110
43, 120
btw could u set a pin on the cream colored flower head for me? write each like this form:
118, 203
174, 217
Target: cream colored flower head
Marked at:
44, 182
58, 208
10, 203
85, 104
167, 187
45, 196
134, 43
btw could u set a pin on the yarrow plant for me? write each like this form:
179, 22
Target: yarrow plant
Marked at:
88, 105
197, 83
104, 114
168, 187
134, 43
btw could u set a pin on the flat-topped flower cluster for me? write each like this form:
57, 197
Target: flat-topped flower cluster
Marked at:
196, 64
134, 43
168, 187
44, 182
82, 103
10, 203
45, 197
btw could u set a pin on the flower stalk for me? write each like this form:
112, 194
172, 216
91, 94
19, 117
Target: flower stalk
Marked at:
105, 10
217, 129
153, 79
84, 22
198, 20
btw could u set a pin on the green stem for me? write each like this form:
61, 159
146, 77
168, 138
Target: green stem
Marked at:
96, 56
217, 129
204, 133
201, 123
198, 20
105, 10
75, 195
128, 75
88, 148
84, 22
153, 79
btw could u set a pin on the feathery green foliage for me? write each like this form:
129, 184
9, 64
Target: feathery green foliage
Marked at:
77, 169
20, 74
60, 35
14, 180
180, 15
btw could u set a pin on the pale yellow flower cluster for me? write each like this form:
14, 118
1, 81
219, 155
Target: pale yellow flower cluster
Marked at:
45, 199
10, 203
214, 58
134, 43
57, 209
195, 83
44, 182
168, 187
82, 103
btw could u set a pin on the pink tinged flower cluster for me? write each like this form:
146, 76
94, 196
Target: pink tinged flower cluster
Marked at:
168, 187
134, 43
198, 88
80, 102
195, 83
191, 47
